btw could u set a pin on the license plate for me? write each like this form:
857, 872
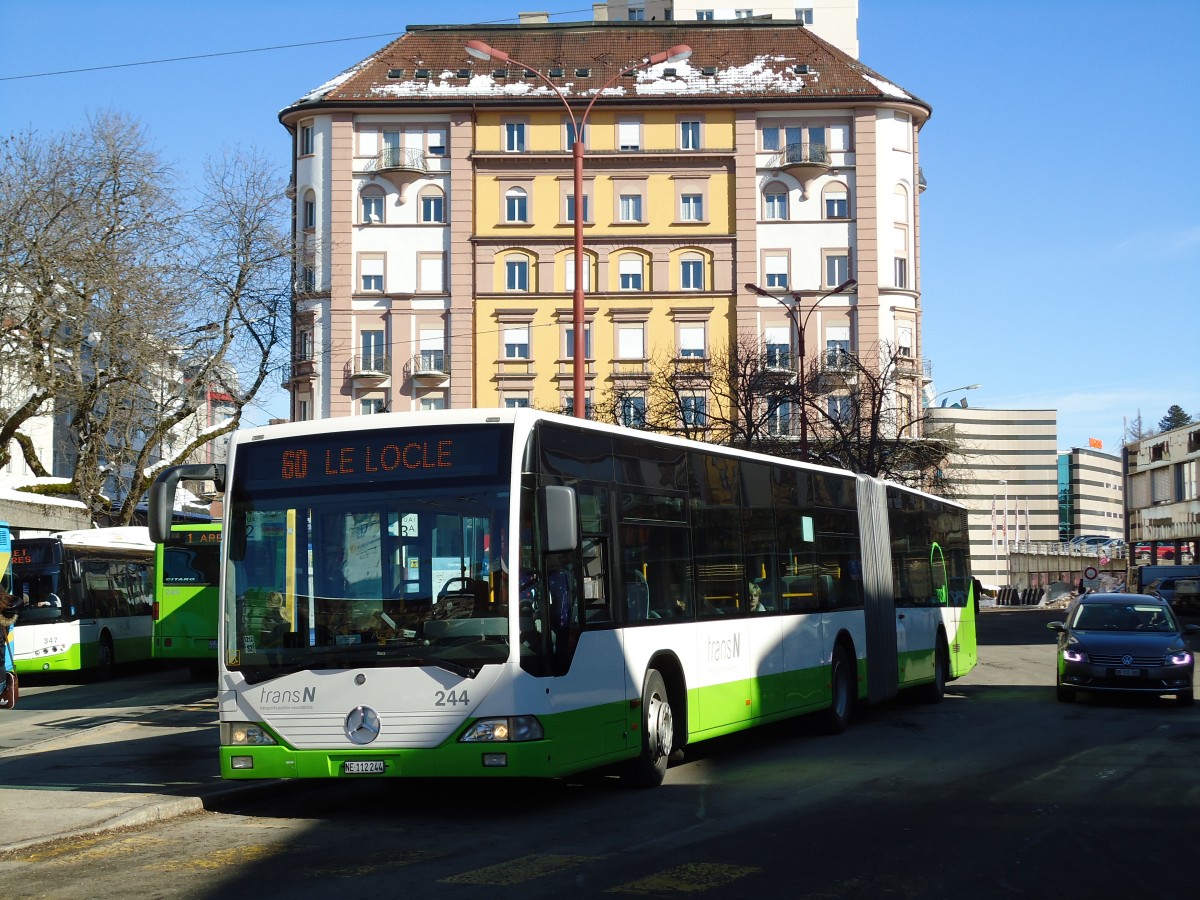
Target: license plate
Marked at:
364, 767
1127, 673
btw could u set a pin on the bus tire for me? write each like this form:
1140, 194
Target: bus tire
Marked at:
658, 735
935, 691
106, 658
842, 682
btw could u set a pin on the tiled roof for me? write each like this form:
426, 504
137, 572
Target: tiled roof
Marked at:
756, 59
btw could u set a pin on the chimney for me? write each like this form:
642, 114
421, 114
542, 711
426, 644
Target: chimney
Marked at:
534, 18
600, 12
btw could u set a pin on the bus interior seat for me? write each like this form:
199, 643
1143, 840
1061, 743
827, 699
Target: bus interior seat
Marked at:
799, 592
637, 600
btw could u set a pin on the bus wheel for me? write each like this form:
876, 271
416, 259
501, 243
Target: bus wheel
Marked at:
935, 691
836, 718
106, 659
658, 734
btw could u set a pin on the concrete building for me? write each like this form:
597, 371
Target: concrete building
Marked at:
434, 205
1091, 494
1007, 475
1162, 495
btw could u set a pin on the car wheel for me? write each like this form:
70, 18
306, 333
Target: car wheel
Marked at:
1065, 695
1184, 698
658, 735
836, 718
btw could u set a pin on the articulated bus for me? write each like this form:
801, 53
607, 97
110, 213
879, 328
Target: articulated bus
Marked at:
500, 593
87, 596
186, 602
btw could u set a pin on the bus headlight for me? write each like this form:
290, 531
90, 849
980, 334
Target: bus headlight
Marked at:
510, 729
244, 734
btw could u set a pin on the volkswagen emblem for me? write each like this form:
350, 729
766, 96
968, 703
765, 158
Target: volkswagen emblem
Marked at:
1126, 660
362, 725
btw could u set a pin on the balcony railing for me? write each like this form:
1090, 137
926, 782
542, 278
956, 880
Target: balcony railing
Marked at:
430, 365
371, 365
803, 156
391, 159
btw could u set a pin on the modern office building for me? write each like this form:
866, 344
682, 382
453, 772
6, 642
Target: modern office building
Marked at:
435, 209
1091, 494
1006, 473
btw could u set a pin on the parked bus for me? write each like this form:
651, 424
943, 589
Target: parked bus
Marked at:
513, 593
186, 605
88, 598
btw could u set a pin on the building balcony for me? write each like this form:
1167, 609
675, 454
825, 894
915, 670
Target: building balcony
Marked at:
804, 162
370, 368
693, 367
428, 367
399, 159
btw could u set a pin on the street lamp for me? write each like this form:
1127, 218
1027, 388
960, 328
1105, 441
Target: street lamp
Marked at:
482, 51
965, 387
793, 312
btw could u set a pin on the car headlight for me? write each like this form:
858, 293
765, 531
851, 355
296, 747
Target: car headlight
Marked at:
1074, 654
1179, 658
510, 729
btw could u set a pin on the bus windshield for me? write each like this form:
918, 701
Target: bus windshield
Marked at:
381, 553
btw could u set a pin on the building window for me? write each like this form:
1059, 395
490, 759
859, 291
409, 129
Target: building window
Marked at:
630, 269
631, 208
775, 267
691, 342
308, 279
801, 142
569, 272
691, 273
306, 142
304, 345
372, 206
804, 15
629, 134
900, 271
691, 208
704, 15
631, 341
433, 207
310, 212
778, 347
431, 273
371, 270
693, 410
569, 340
516, 205
633, 411
839, 408
371, 406
689, 134
433, 350
373, 357
516, 401
436, 142
432, 402
837, 269
516, 342
779, 417
516, 274
569, 134
637, 13
743, 13
837, 346
775, 203
571, 208
837, 202
904, 341
514, 137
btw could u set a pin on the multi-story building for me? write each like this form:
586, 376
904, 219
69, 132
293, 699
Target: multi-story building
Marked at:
834, 20
1162, 495
1091, 494
435, 206
1005, 472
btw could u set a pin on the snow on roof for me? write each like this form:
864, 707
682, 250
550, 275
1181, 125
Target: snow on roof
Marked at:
126, 536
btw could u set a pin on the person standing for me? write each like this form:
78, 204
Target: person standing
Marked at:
10, 690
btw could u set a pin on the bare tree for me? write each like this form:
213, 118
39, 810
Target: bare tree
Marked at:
124, 313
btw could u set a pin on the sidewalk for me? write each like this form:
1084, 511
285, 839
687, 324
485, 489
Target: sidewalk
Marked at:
111, 775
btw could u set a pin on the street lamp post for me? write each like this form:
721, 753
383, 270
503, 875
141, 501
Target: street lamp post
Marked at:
965, 387
793, 312
482, 51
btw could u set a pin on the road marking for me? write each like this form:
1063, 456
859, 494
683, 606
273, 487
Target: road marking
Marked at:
686, 879
517, 871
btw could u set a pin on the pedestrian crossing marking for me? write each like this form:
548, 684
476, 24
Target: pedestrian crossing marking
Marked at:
686, 879
516, 871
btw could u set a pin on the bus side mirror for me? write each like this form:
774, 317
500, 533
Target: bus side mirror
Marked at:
561, 515
162, 494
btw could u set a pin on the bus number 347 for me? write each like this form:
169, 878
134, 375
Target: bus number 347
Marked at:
451, 698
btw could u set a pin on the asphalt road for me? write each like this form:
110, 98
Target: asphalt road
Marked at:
999, 792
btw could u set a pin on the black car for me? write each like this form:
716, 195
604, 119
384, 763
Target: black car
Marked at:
1123, 643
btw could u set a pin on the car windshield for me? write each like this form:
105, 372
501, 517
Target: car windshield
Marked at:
1134, 617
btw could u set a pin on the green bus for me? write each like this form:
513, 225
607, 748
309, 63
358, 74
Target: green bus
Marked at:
186, 597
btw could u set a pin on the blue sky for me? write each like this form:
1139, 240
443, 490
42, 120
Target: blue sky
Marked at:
1060, 230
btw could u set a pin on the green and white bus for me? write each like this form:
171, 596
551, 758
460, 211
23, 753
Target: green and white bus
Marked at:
88, 597
377, 620
186, 597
